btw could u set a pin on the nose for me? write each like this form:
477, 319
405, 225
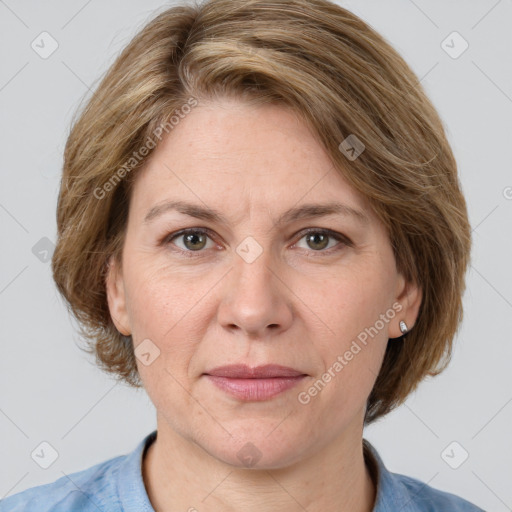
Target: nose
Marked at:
255, 301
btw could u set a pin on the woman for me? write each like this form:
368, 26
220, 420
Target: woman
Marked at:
260, 222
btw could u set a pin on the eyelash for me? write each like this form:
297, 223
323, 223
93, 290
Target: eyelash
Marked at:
344, 241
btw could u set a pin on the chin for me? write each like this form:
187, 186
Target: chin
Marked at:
258, 447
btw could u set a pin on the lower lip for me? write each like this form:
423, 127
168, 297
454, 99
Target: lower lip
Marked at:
255, 389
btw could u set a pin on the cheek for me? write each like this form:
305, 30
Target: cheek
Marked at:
163, 312
160, 298
153, 310
168, 307
351, 300
355, 309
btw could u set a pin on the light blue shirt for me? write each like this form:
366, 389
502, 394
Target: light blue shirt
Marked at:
116, 485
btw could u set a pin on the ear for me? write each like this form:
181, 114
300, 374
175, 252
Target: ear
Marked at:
116, 297
409, 296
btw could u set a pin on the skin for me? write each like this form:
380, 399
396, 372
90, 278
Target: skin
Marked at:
299, 304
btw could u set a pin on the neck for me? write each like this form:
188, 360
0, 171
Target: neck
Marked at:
180, 475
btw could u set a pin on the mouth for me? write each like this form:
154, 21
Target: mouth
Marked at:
254, 384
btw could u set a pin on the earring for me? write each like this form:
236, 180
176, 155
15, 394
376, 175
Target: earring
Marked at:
403, 327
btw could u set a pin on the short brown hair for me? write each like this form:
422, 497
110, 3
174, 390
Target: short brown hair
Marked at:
343, 79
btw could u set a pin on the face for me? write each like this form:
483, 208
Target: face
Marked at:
317, 292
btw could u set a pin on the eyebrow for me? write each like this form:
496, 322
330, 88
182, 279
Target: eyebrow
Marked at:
305, 211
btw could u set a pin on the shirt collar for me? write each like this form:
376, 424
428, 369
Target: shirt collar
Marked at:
132, 493
391, 493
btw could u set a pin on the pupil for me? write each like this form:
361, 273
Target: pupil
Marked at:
192, 239
314, 239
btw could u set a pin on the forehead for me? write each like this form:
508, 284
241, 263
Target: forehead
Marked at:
230, 153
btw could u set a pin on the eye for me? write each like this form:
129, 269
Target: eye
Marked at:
319, 239
194, 240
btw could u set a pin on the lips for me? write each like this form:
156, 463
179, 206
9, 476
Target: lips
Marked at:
256, 384
242, 371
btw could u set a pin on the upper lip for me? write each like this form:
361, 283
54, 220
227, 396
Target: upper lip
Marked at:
242, 371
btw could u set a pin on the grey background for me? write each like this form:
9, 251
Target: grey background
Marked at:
50, 391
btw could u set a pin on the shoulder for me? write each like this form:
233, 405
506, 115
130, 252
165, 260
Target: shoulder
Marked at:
89, 490
400, 492
429, 499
